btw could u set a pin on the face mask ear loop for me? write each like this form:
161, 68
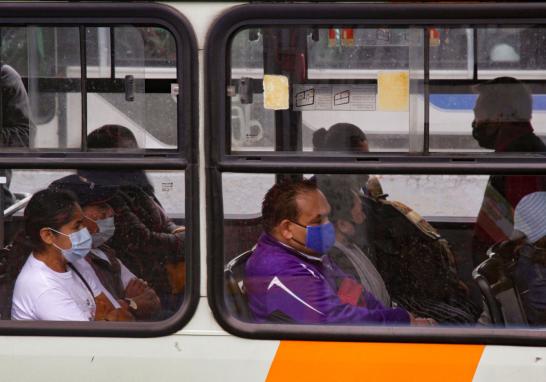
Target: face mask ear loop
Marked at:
54, 230
302, 226
55, 245
59, 248
88, 218
299, 242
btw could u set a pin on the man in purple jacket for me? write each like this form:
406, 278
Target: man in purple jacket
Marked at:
287, 279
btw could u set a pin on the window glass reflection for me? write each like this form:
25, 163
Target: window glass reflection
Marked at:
386, 249
94, 245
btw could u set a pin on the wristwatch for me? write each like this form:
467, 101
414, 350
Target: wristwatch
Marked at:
132, 303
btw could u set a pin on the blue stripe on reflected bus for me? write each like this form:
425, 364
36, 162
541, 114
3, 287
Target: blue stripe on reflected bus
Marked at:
467, 101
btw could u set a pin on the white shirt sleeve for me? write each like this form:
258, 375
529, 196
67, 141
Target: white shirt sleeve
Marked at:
57, 305
126, 274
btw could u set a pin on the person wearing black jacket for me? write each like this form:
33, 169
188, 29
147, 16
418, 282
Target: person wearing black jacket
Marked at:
502, 122
16, 125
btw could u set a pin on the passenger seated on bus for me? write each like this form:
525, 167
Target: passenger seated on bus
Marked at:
116, 137
340, 137
417, 264
346, 137
288, 279
146, 239
530, 252
48, 287
101, 263
343, 137
502, 122
347, 216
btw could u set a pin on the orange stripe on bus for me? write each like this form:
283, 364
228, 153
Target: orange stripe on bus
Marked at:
340, 361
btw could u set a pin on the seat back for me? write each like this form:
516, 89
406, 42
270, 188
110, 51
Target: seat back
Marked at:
236, 299
494, 277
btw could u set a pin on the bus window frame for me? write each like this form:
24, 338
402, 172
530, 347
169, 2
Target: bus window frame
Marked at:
185, 158
218, 160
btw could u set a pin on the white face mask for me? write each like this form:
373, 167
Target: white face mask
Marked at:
106, 231
81, 244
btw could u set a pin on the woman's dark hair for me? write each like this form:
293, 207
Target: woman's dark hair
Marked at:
111, 137
339, 137
47, 208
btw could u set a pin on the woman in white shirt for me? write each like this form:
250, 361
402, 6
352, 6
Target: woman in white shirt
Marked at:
48, 287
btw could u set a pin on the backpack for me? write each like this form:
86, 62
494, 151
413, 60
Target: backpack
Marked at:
416, 263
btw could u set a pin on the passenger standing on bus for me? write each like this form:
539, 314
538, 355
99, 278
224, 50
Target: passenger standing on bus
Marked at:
16, 123
502, 122
48, 286
117, 282
288, 279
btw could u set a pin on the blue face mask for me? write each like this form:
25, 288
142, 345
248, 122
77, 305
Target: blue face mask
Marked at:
106, 227
319, 238
81, 244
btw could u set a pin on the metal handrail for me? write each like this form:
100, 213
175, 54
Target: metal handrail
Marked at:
22, 200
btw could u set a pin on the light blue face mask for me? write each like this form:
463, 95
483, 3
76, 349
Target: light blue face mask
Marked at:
81, 244
107, 228
319, 238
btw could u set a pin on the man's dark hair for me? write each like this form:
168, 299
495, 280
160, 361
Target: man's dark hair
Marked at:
280, 202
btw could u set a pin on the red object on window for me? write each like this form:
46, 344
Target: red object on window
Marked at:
347, 37
332, 37
434, 37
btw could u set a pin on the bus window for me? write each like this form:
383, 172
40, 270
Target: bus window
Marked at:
141, 53
375, 78
451, 50
376, 173
501, 52
516, 52
459, 249
94, 188
144, 241
367, 65
138, 90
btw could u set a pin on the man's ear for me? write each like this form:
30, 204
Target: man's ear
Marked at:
284, 229
47, 236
